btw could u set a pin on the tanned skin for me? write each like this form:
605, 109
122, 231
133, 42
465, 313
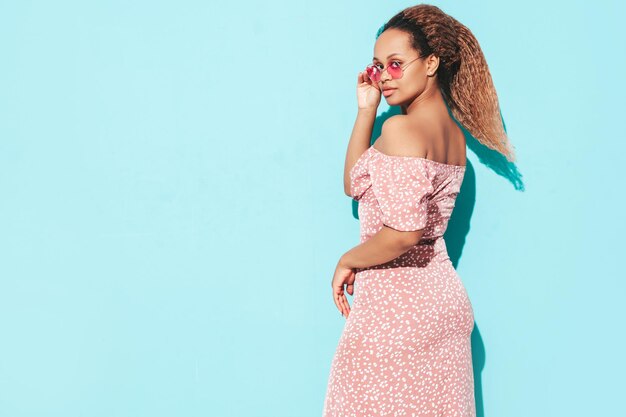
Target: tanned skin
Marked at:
424, 129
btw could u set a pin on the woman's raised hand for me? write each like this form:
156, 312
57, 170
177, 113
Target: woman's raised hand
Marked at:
367, 92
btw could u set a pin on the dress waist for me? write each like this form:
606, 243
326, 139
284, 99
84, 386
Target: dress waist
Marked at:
429, 241
422, 254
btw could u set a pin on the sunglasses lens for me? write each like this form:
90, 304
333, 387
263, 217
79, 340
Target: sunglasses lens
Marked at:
395, 72
373, 72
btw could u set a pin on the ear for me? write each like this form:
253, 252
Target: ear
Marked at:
432, 63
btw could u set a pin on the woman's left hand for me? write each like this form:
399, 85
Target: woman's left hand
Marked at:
343, 276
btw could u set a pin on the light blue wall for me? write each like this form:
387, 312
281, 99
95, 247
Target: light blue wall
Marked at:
172, 206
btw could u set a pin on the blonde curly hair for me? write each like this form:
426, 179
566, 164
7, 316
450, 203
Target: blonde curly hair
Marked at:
463, 75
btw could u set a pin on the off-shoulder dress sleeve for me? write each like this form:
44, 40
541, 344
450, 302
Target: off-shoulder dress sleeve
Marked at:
360, 177
403, 191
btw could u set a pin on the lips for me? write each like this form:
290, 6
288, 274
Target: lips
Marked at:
388, 91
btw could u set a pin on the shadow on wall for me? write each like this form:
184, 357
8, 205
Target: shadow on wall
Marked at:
459, 224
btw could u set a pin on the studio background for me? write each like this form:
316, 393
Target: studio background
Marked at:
172, 206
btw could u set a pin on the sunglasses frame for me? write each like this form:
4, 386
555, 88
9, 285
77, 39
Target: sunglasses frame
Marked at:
373, 69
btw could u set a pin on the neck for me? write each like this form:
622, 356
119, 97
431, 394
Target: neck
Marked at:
431, 96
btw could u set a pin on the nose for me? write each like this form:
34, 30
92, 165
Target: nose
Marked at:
384, 77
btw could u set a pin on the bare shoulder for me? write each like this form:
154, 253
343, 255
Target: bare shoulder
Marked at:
402, 136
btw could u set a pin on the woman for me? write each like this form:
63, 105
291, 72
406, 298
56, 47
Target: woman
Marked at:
405, 349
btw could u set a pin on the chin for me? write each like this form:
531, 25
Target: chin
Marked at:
393, 101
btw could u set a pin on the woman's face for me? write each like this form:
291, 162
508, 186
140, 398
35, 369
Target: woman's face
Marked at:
393, 49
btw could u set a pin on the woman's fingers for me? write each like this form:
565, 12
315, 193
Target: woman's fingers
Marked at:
341, 302
337, 301
337, 297
346, 305
364, 78
342, 281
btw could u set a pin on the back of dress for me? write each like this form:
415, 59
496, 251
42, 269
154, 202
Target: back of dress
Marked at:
405, 349
406, 193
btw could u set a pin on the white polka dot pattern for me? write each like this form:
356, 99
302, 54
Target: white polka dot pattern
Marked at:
402, 191
405, 349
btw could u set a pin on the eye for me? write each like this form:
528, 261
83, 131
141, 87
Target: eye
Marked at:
394, 64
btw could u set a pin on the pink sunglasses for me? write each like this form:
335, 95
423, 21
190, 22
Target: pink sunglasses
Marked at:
394, 70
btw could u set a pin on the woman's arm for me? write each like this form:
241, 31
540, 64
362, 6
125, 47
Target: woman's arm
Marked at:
398, 138
368, 99
359, 142
382, 247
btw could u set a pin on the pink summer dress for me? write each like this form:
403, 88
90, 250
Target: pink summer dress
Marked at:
405, 349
